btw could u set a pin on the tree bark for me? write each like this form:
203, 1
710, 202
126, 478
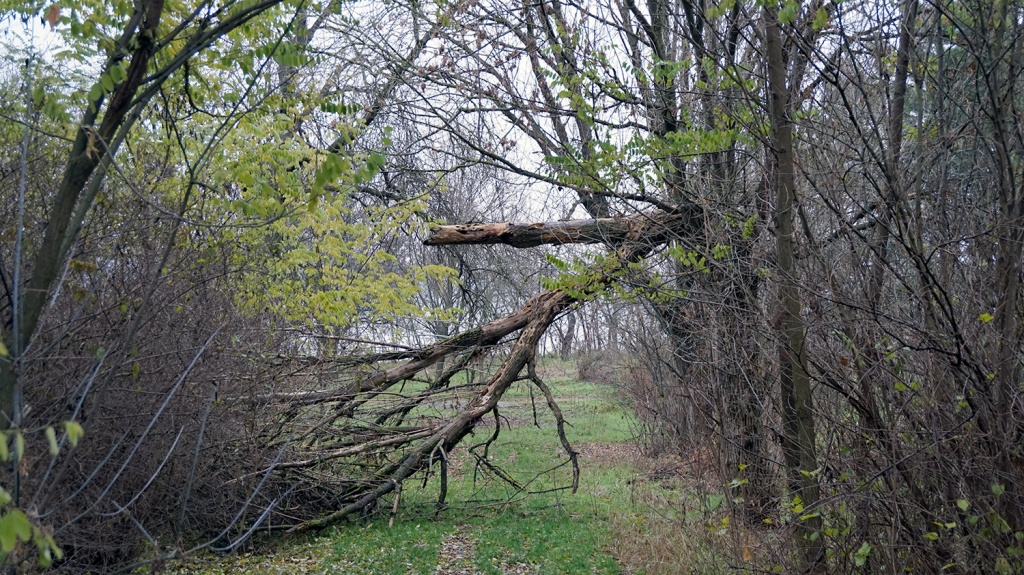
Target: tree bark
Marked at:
653, 227
999, 82
798, 434
567, 338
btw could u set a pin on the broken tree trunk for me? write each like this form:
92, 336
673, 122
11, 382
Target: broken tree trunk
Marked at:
648, 227
643, 231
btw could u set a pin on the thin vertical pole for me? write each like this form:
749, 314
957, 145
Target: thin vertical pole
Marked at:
18, 344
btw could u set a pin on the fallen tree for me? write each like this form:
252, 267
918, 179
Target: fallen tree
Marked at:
407, 449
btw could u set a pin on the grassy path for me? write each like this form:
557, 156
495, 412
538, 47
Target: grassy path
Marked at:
490, 526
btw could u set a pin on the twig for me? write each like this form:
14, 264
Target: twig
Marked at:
145, 433
151, 478
444, 483
533, 405
398, 497
531, 367
195, 459
486, 443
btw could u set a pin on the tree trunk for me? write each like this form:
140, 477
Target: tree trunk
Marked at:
653, 227
999, 81
798, 435
567, 338
91, 150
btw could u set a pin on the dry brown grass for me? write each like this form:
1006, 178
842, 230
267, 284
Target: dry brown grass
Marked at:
655, 546
675, 531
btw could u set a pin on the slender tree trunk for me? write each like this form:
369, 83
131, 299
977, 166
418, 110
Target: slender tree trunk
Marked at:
999, 82
91, 147
798, 435
567, 338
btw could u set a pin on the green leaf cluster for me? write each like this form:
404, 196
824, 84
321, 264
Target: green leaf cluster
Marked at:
689, 258
329, 266
16, 527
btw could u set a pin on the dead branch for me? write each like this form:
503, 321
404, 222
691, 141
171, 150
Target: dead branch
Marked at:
559, 422
652, 226
357, 449
440, 384
543, 311
534, 319
484, 459
487, 335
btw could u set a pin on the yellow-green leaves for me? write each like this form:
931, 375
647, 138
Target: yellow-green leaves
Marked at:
48, 550
689, 258
862, 554
107, 82
95, 93
586, 278
14, 527
790, 10
820, 19
290, 54
329, 265
718, 10
749, 227
332, 168
74, 432
3, 349
19, 446
985, 317
51, 441
118, 73
797, 505
721, 251
337, 168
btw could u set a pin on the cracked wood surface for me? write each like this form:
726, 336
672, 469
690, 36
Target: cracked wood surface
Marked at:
652, 226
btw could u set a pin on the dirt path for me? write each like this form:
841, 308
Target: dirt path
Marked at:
457, 553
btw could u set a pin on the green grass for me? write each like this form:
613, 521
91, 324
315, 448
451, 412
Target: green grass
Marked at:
557, 541
407, 547
556, 531
540, 523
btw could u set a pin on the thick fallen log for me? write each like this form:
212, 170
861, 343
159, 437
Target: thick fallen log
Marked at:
651, 227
